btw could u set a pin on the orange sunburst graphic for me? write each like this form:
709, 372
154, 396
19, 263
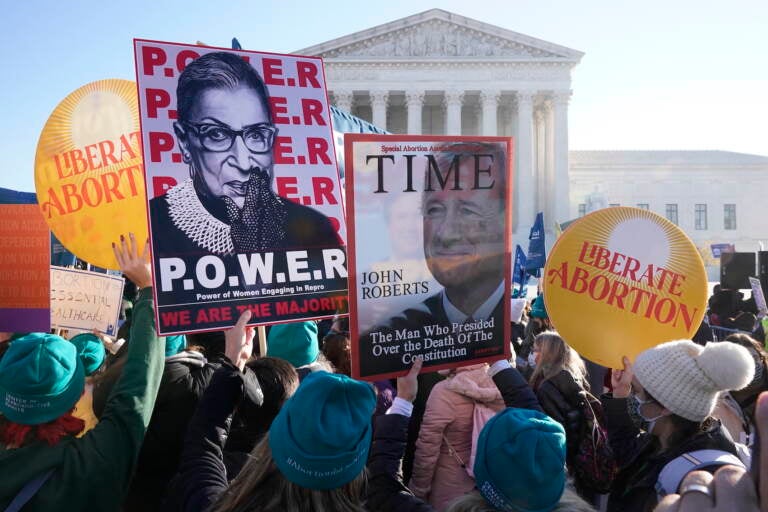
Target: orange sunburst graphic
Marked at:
621, 280
88, 170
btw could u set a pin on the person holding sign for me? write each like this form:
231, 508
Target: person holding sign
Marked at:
659, 418
41, 379
227, 137
463, 218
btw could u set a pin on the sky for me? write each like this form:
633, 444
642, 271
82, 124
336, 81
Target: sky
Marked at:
682, 74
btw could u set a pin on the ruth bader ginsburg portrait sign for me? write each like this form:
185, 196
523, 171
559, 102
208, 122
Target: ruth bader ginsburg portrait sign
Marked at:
243, 189
429, 246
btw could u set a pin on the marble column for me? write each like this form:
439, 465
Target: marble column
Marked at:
526, 189
379, 101
490, 102
414, 101
561, 189
540, 160
453, 100
343, 100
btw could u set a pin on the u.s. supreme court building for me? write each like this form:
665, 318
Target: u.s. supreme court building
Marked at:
440, 73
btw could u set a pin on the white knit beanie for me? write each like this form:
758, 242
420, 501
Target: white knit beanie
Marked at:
686, 378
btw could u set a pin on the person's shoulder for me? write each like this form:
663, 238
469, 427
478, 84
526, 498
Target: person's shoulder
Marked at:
308, 227
416, 315
297, 212
160, 214
565, 383
158, 205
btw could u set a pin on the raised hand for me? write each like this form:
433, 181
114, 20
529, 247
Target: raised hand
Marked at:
239, 340
408, 386
135, 267
621, 380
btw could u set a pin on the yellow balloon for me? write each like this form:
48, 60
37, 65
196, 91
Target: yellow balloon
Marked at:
89, 174
621, 280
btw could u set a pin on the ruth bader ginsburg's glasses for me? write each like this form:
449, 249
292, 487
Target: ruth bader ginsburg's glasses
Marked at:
258, 138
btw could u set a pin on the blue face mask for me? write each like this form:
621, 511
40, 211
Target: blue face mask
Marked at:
634, 403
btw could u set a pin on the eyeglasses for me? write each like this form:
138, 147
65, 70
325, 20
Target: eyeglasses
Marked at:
258, 138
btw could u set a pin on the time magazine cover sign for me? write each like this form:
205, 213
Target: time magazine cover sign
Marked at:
429, 240
243, 191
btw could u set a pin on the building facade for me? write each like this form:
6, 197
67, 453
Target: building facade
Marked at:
439, 73
714, 196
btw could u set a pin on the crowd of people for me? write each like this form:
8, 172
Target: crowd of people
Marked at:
203, 422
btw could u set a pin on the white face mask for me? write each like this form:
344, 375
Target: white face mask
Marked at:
532, 360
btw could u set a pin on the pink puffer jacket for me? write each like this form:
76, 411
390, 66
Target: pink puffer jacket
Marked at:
437, 475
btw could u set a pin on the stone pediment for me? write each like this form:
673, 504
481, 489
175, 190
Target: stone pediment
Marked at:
438, 34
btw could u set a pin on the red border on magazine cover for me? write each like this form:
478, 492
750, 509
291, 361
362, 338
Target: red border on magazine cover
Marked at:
339, 295
349, 185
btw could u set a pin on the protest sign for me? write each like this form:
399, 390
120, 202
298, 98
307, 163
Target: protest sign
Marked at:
24, 276
88, 175
85, 300
759, 296
520, 277
244, 196
536, 247
430, 251
621, 280
718, 249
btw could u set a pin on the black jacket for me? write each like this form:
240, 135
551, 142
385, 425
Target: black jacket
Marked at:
203, 473
185, 377
559, 397
386, 490
639, 459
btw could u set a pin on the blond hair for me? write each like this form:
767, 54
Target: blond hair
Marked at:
556, 356
261, 487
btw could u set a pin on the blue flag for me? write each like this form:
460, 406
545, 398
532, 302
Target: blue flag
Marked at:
536, 247
519, 276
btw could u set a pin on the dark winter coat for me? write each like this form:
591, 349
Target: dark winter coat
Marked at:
203, 474
386, 490
93, 472
559, 397
185, 377
637, 454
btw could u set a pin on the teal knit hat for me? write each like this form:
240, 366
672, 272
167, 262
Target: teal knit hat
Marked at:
320, 438
41, 379
295, 342
175, 344
91, 351
538, 309
520, 461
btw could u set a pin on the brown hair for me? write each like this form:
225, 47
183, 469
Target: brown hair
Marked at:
750, 343
336, 350
260, 486
556, 356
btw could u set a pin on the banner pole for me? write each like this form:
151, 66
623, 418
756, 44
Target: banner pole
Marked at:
262, 340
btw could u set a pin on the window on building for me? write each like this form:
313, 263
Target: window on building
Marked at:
700, 216
671, 213
614, 204
644, 206
432, 120
729, 216
582, 209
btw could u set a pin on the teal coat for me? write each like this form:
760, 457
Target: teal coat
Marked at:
93, 472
